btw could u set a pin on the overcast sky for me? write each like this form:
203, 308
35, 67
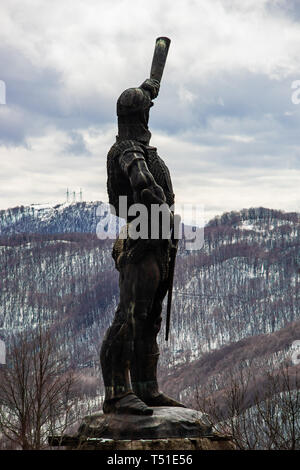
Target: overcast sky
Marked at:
224, 121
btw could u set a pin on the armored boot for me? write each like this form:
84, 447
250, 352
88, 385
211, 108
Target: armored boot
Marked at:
127, 404
119, 396
144, 377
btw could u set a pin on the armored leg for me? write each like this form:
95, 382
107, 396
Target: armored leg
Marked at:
115, 355
138, 284
143, 369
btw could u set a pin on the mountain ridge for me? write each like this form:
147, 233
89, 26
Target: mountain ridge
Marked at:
244, 283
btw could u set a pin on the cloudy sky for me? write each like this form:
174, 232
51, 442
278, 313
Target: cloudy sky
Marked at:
224, 120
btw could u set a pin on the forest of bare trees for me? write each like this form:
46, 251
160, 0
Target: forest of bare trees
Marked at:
37, 391
261, 411
236, 298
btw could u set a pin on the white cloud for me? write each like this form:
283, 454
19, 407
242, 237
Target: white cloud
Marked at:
43, 171
224, 107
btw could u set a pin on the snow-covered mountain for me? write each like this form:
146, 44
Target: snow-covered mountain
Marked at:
244, 283
82, 217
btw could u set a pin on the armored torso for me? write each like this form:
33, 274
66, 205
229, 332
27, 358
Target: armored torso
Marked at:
119, 185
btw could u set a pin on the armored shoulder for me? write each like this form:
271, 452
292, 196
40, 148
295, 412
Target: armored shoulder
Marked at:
125, 146
129, 156
125, 153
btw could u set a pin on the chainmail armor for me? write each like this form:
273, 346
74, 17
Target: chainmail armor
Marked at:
118, 184
128, 250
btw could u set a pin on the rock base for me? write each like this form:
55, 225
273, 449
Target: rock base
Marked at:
166, 422
169, 428
213, 442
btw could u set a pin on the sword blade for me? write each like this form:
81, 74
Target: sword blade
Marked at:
170, 291
161, 50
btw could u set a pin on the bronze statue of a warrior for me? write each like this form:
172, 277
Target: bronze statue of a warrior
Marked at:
129, 352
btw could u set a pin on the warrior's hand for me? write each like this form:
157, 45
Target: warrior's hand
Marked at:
153, 195
144, 187
152, 86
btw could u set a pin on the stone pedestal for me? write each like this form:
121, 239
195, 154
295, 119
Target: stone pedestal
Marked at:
214, 442
169, 428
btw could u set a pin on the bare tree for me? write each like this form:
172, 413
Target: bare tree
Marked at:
259, 410
279, 408
36, 390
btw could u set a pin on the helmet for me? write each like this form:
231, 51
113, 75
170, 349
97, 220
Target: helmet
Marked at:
133, 113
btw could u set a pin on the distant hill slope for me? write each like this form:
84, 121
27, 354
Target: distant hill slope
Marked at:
81, 217
262, 352
243, 283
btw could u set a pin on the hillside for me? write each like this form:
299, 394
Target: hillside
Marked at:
244, 284
71, 217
